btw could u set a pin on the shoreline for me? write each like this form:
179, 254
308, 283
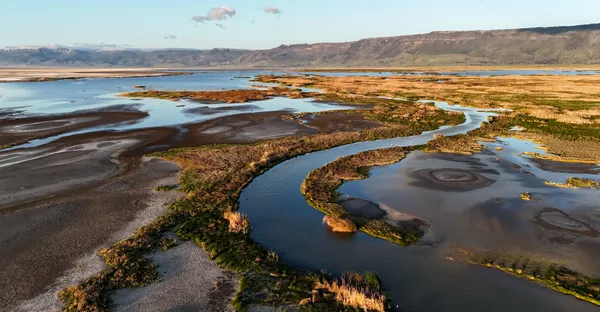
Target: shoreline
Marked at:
16, 75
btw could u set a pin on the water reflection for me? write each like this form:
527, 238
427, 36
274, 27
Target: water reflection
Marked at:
68, 96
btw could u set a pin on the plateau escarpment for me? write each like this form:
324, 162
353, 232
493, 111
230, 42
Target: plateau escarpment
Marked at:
550, 45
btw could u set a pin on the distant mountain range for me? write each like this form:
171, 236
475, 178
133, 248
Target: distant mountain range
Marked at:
549, 45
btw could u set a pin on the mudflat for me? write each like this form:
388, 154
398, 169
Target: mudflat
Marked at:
50, 74
53, 203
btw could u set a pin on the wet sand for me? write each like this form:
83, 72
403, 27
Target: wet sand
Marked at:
53, 74
252, 127
21, 130
189, 281
337, 121
54, 212
68, 163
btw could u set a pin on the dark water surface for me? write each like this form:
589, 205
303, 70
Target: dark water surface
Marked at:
418, 278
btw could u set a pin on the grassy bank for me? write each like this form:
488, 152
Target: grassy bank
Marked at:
226, 96
320, 189
541, 271
565, 142
575, 182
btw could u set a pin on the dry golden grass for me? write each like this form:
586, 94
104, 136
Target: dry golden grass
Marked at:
458, 144
588, 116
353, 294
339, 225
571, 99
585, 151
576, 183
238, 223
457, 68
226, 96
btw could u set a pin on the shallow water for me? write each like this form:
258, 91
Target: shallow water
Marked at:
68, 96
417, 278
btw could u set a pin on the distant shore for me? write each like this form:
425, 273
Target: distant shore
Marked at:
453, 68
39, 74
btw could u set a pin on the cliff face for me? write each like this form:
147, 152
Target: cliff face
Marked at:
555, 45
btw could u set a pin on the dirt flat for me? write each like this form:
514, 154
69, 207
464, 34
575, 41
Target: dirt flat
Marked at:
52, 74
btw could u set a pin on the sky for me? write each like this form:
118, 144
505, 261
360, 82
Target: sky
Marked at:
248, 24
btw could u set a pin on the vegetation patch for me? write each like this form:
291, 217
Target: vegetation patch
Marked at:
166, 187
238, 223
226, 96
526, 196
357, 291
575, 182
340, 225
541, 271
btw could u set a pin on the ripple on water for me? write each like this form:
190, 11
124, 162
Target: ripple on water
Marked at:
449, 179
557, 219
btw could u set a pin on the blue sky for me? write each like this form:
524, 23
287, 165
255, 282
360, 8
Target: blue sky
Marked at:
170, 23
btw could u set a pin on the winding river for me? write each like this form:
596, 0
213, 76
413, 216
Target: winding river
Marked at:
416, 278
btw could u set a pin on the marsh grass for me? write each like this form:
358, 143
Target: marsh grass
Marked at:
566, 99
166, 187
238, 223
225, 96
575, 182
354, 290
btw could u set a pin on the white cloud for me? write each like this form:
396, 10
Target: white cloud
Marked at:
216, 14
272, 10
